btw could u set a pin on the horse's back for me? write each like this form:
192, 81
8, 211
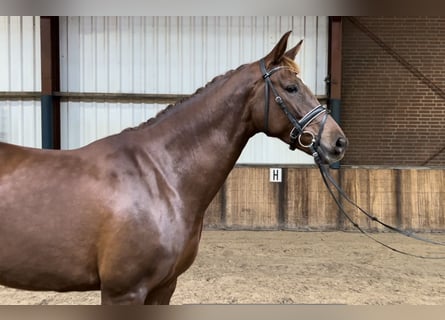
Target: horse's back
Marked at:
10, 156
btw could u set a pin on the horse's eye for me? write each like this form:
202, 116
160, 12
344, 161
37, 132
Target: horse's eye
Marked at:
292, 89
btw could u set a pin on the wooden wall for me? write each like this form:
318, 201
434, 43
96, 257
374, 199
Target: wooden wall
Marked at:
404, 197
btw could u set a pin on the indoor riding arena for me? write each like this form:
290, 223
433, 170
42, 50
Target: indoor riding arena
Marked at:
274, 233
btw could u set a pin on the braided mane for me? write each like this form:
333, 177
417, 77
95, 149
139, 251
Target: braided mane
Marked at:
288, 62
166, 110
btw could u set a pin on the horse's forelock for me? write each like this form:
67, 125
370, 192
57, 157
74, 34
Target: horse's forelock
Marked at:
291, 64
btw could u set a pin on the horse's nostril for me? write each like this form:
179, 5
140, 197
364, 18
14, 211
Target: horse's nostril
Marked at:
341, 142
340, 145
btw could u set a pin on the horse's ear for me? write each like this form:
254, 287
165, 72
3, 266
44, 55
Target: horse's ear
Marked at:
292, 53
277, 53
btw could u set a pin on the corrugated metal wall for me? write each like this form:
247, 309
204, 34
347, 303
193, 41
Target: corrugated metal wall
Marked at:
174, 55
166, 55
20, 120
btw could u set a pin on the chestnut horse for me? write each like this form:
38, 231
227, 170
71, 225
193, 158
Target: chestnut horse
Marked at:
124, 214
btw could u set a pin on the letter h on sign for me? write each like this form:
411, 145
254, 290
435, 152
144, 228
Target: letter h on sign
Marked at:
275, 175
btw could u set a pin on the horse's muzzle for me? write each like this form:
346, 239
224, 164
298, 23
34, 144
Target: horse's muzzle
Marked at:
334, 152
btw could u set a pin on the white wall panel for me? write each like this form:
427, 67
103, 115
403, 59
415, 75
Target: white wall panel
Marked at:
93, 120
173, 55
20, 121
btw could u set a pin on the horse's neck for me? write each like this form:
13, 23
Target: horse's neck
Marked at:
204, 136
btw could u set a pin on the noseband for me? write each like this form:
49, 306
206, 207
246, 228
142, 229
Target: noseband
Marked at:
297, 131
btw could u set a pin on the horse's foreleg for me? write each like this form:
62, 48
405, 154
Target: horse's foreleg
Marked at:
161, 295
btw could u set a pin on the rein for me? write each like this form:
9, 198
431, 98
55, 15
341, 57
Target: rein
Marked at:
326, 176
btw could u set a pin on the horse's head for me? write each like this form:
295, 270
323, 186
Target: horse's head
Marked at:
284, 107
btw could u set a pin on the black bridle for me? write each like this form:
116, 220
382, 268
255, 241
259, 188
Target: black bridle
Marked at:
298, 130
295, 136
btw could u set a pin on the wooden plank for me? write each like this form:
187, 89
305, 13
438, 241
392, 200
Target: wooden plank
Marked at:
383, 197
308, 205
213, 218
19, 95
121, 97
437, 191
322, 211
355, 183
251, 199
374, 190
409, 204
296, 199
422, 197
